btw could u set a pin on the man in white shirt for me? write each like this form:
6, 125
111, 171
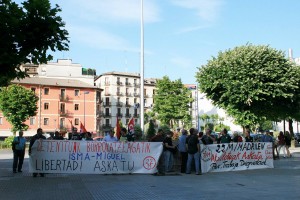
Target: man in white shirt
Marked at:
110, 137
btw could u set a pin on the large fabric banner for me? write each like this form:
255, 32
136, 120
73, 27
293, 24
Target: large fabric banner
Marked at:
236, 156
93, 157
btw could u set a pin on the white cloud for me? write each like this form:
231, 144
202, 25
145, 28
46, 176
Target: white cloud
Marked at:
116, 10
207, 10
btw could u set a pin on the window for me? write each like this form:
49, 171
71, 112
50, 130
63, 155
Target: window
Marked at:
76, 106
76, 93
33, 89
134, 100
32, 120
107, 121
46, 106
1, 121
46, 121
76, 121
107, 111
46, 91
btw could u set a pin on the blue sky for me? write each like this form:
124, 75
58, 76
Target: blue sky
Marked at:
179, 35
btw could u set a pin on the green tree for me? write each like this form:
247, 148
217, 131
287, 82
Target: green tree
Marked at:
251, 83
172, 101
138, 132
151, 130
205, 118
27, 32
17, 104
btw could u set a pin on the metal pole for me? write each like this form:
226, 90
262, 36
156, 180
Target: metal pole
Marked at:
142, 70
84, 109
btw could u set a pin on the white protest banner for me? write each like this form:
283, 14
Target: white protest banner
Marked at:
93, 157
236, 156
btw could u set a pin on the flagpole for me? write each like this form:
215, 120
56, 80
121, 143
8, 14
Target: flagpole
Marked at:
142, 70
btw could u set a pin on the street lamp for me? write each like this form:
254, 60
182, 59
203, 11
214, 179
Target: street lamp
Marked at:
86, 92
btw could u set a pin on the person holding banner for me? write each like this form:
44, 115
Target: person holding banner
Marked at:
225, 138
160, 166
110, 137
193, 149
168, 151
37, 136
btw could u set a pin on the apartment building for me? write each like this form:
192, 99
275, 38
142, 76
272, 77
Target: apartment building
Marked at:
121, 97
63, 99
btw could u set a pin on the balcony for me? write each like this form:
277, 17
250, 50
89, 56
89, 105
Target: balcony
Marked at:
127, 84
128, 94
119, 104
136, 115
100, 114
119, 114
107, 94
127, 105
136, 85
119, 94
127, 115
63, 113
136, 94
63, 98
119, 83
106, 104
106, 115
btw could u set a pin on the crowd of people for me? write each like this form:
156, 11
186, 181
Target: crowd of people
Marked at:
187, 145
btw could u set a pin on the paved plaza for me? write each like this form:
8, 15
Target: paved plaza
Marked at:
281, 182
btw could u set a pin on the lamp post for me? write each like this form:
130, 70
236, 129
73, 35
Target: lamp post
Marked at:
86, 92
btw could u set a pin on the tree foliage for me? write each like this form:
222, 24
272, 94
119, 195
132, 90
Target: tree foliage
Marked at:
17, 104
27, 32
151, 130
251, 83
172, 101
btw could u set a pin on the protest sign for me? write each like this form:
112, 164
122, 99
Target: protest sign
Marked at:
236, 156
94, 157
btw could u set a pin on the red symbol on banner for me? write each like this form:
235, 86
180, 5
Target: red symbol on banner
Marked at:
149, 162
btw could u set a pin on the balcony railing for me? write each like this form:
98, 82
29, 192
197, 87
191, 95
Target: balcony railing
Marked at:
127, 83
63, 98
119, 104
63, 113
119, 83
105, 126
136, 94
127, 115
106, 104
119, 94
99, 114
128, 94
119, 114
136, 85
136, 115
106, 115
127, 105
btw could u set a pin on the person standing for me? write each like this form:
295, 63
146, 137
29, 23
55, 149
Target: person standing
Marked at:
168, 151
248, 137
225, 138
37, 136
288, 142
193, 149
110, 137
160, 166
281, 143
207, 138
182, 150
19, 145
124, 135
